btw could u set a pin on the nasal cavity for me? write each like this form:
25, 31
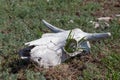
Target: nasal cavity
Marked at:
39, 58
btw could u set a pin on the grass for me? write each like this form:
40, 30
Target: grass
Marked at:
20, 22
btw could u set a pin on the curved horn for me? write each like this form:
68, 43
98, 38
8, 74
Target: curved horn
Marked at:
51, 27
95, 36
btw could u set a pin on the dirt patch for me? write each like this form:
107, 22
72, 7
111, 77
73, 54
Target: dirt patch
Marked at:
109, 8
71, 69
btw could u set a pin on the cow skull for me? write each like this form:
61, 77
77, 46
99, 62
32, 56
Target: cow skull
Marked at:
54, 48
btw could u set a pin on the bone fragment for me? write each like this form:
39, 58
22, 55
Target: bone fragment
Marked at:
107, 19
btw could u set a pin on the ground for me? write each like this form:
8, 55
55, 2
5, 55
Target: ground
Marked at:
20, 22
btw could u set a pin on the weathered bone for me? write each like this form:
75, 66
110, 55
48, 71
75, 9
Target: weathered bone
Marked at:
52, 28
49, 49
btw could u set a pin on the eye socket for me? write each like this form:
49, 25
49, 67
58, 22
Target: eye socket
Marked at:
71, 45
39, 58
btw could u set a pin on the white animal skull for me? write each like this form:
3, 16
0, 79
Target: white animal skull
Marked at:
49, 49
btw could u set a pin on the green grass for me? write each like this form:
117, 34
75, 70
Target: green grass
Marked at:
20, 22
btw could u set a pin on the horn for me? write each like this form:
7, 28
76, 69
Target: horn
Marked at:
95, 36
52, 28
